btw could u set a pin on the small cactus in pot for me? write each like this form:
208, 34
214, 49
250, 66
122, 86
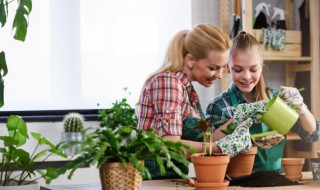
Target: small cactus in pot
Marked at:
73, 124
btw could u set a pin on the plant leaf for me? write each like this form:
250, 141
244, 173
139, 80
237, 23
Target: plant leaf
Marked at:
17, 128
3, 12
9, 141
1, 92
20, 22
3, 64
203, 125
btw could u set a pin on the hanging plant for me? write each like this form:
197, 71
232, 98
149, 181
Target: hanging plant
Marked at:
19, 27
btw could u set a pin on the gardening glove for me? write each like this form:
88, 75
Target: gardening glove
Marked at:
239, 141
244, 111
292, 96
268, 141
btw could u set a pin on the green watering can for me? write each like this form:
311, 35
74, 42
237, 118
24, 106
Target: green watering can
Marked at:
280, 116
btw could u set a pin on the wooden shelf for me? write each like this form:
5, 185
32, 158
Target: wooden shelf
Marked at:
293, 136
293, 59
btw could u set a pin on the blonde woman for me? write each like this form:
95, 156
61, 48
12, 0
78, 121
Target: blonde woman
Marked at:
169, 104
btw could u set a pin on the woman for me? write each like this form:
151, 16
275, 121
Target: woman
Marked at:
169, 104
245, 65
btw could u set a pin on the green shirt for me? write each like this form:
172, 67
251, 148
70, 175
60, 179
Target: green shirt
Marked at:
219, 110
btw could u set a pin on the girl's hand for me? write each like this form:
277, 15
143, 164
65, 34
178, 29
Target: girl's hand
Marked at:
239, 141
244, 111
292, 96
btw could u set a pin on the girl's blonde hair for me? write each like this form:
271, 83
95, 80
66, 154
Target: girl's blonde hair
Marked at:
198, 42
245, 43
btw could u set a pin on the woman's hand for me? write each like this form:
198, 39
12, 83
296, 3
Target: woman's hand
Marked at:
239, 141
292, 96
244, 111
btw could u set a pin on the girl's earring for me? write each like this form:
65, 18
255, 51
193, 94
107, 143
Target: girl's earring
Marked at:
190, 64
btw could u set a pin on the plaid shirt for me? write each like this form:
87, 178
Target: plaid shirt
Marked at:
219, 110
167, 99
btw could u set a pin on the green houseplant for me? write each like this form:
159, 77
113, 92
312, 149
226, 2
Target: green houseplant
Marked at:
73, 130
204, 163
17, 166
117, 140
19, 28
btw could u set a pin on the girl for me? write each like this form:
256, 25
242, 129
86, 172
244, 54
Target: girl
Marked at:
169, 105
245, 65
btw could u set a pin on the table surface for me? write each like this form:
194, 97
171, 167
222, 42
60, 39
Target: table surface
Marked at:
178, 184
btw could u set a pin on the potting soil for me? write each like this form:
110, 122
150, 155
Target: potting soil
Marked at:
262, 179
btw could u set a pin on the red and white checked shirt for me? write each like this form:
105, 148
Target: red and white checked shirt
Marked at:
164, 103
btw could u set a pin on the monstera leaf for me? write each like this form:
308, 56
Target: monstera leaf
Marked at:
21, 21
3, 72
19, 27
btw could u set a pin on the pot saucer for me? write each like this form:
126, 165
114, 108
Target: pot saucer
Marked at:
212, 186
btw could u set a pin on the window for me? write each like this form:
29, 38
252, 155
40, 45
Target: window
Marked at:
81, 53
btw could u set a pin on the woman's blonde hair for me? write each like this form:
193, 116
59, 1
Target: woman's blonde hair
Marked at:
198, 42
245, 43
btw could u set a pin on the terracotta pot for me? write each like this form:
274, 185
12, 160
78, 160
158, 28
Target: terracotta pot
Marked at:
293, 168
242, 164
212, 186
294, 177
210, 169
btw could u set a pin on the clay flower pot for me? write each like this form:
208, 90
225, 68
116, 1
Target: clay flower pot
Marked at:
242, 164
212, 186
293, 168
210, 169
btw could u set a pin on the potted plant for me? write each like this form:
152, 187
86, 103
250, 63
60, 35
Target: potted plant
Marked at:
241, 164
118, 149
17, 166
19, 28
73, 130
210, 168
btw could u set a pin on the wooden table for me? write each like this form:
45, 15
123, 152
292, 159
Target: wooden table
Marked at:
308, 183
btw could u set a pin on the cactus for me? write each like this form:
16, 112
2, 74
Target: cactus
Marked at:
73, 122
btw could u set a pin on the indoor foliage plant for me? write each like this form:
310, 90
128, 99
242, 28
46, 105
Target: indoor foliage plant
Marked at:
73, 124
119, 145
205, 163
19, 28
17, 166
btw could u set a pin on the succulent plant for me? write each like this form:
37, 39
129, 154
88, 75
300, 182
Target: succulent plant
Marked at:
73, 122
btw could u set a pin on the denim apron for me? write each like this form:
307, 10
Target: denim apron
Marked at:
266, 159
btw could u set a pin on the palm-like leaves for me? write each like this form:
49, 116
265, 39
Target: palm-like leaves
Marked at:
118, 140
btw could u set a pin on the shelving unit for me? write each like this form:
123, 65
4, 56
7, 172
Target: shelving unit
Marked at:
291, 62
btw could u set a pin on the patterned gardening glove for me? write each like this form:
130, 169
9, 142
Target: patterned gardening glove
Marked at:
239, 141
268, 141
292, 96
244, 111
